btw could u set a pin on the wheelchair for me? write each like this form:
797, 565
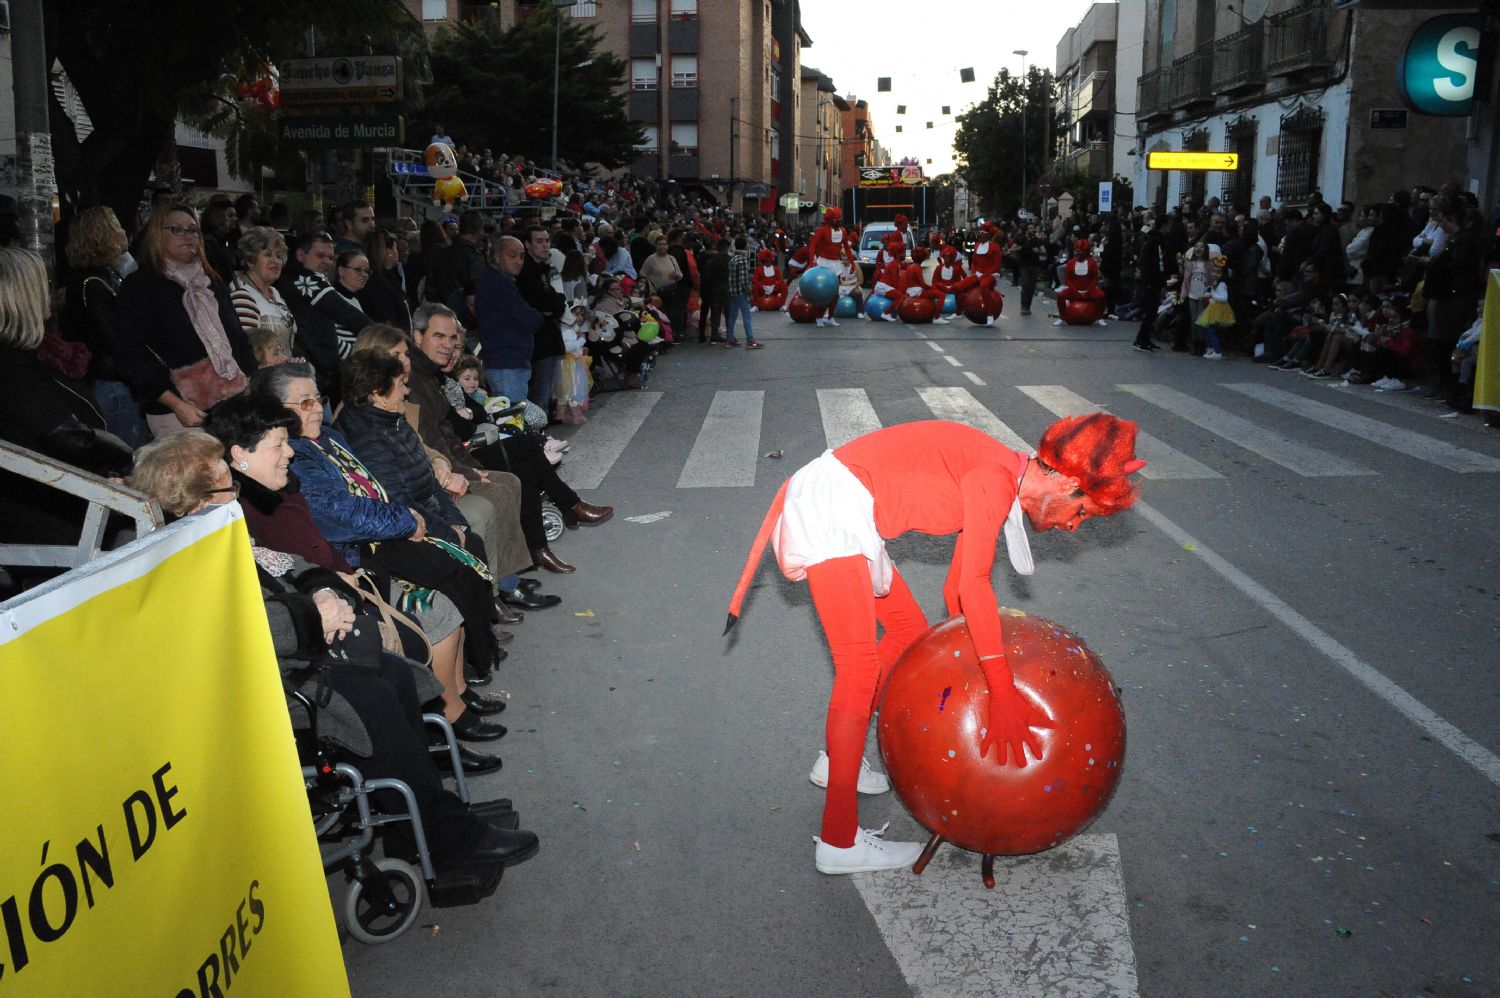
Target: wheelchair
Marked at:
386, 894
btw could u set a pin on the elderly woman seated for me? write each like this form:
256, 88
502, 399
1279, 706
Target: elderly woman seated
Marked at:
375, 710
253, 431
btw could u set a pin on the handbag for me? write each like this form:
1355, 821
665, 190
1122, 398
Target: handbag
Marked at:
399, 634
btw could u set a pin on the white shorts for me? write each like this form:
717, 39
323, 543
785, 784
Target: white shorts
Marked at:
837, 266
828, 513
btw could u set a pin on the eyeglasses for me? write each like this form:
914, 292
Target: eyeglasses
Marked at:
310, 405
358, 270
233, 490
190, 231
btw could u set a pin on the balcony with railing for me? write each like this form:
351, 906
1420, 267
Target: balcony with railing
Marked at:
1153, 93
1096, 95
1237, 60
1193, 78
1091, 158
1298, 41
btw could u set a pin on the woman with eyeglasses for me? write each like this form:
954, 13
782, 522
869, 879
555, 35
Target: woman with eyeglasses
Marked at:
351, 273
263, 312
375, 699
383, 298
181, 347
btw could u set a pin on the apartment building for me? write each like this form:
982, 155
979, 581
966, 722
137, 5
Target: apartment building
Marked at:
861, 147
1098, 63
820, 143
1304, 91
716, 85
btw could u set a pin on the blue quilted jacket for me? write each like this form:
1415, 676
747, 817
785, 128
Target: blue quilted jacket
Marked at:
345, 519
390, 448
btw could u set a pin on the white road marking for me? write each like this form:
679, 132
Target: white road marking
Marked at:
918, 334
1460, 744
1407, 442
847, 413
953, 360
728, 444
649, 517
599, 444
974, 378
935, 345
1306, 461
1162, 461
1055, 926
959, 406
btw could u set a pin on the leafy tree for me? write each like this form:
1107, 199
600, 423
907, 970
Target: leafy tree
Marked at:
493, 87
138, 64
988, 146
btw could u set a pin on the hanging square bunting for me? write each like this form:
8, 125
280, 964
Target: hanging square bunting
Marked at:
929, 124
884, 84
947, 109
900, 108
966, 75
898, 128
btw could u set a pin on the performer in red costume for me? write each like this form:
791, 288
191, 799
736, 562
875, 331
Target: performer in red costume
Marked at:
767, 289
1081, 279
888, 263
830, 246
987, 252
948, 278
903, 229
913, 282
829, 523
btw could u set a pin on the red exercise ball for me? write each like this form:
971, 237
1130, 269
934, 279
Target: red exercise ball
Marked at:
1080, 311
801, 310
935, 704
917, 311
770, 302
979, 305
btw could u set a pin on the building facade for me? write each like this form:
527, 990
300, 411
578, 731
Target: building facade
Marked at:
715, 84
1293, 87
820, 143
861, 147
1086, 89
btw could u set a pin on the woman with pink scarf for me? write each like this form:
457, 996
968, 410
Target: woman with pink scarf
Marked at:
181, 347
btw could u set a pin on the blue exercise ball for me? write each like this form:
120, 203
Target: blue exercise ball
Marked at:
847, 308
950, 304
877, 306
819, 286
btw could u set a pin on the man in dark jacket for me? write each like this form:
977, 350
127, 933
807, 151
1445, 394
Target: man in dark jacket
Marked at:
535, 285
318, 310
1153, 266
714, 271
507, 324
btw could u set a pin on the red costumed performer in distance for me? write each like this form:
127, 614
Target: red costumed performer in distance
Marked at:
987, 252
829, 523
903, 229
1080, 278
913, 283
831, 244
888, 264
948, 278
767, 289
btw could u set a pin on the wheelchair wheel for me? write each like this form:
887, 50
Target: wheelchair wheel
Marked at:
372, 923
552, 520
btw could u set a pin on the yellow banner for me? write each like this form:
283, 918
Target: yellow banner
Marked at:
1166, 160
1487, 360
157, 839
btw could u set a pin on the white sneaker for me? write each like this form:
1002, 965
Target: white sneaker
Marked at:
889, 316
833, 322
940, 321
821, 322
1057, 322
1100, 322
869, 854
989, 320
1212, 355
870, 782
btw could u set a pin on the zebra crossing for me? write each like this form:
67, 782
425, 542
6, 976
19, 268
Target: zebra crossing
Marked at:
726, 450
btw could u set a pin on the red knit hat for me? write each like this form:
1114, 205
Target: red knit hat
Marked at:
833, 216
919, 254
949, 254
1099, 450
766, 256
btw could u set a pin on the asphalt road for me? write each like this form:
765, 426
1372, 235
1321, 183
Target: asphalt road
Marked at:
1302, 619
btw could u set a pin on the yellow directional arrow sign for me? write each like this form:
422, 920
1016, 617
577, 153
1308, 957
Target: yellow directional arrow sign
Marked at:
1193, 161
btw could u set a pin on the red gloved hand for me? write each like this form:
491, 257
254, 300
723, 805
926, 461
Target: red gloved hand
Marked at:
1012, 716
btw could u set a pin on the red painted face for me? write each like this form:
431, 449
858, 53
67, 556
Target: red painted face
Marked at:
1060, 505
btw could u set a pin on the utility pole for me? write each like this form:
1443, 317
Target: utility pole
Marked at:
36, 176
1025, 106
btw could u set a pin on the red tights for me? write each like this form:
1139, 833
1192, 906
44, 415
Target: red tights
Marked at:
849, 611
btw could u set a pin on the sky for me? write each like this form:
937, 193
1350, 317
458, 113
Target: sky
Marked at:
922, 46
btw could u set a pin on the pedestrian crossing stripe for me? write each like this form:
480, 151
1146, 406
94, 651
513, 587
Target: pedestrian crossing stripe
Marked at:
725, 453
1299, 458
1162, 462
1417, 445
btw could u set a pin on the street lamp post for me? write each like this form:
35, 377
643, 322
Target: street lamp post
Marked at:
561, 6
1025, 106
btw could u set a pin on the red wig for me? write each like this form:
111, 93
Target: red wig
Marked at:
949, 254
766, 256
902, 221
1081, 247
1099, 450
833, 216
919, 254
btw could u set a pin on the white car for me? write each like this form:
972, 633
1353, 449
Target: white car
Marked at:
871, 240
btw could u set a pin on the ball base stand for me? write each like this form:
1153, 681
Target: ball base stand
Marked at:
986, 866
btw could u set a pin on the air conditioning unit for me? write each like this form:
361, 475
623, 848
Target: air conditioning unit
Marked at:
5, 16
